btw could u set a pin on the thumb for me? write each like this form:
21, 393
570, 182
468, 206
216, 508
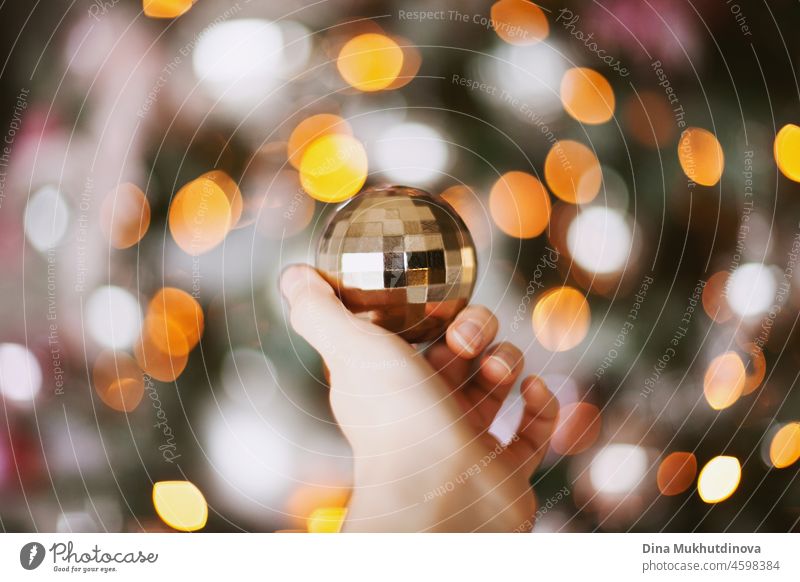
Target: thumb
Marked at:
317, 314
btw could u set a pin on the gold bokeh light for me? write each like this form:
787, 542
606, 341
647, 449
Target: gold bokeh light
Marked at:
787, 151
561, 319
520, 205
370, 62
519, 22
701, 156
200, 216
719, 479
180, 504
313, 128
724, 380
573, 172
784, 450
165, 8
587, 96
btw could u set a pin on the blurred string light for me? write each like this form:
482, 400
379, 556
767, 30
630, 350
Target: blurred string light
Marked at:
649, 119
618, 468
676, 473
20, 373
520, 205
118, 380
113, 317
311, 129
166, 8
370, 62
751, 289
599, 239
701, 157
719, 479
715, 304
327, 520
587, 96
333, 168
578, 427
784, 449
180, 504
561, 319
724, 380
573, 172
519, 22
125, 216
203, 212
46, 219
613, 189
411, 153
466, 203
787, 151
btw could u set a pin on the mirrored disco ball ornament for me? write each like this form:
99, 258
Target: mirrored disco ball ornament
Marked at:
400, 257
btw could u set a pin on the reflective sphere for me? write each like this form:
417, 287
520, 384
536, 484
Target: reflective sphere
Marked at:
400, 257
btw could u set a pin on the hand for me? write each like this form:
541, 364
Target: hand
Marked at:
418, 423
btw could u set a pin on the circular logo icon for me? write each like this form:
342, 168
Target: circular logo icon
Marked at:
31, 555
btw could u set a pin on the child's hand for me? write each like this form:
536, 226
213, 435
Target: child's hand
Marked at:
418, 424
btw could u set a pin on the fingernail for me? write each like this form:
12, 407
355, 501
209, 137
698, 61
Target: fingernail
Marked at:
505, 360
468, 335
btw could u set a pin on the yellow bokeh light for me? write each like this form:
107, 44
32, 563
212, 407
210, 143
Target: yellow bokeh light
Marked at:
180, 504
587, 96
327, 520
719, 479
784, 450
787, 151
311, 129
676, 473
200, 216
519, 22
573, 172
701, 156
118, 381
520, 205
125, 216
334, 168
724, 380
561, 319
165, 8
370, 62
155, 361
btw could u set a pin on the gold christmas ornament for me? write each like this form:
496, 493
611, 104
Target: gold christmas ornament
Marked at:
400, 257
